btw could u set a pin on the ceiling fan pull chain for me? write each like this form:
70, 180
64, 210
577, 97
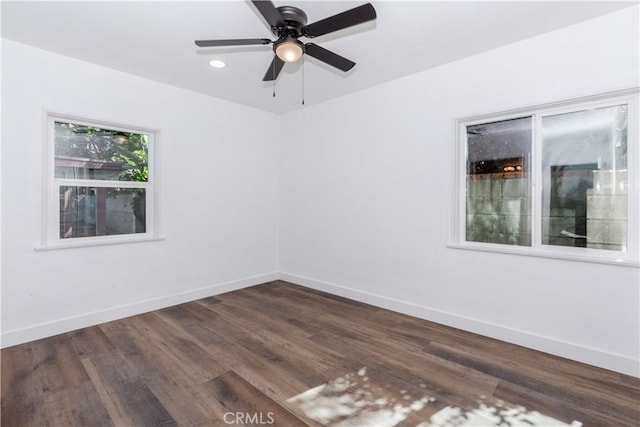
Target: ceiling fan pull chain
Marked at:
302, 79
274, 78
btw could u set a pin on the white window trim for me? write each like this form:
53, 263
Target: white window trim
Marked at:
51, 211
631, 257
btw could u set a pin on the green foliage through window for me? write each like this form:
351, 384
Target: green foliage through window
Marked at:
123, 153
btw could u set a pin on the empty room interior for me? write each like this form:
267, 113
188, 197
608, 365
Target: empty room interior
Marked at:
421, 213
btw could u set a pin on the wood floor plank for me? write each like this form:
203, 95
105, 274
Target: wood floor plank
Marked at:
22, 398
306, 357
246, 402
126, 397
90, 342
167, 379
77, 406
57, 364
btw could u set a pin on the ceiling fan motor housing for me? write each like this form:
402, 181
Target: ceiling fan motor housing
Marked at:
294, 18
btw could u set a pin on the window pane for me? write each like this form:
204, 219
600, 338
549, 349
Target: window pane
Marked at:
584, 173
499, 183
101, 211
89, 152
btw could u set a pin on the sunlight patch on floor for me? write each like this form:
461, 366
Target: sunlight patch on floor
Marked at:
353, 400
500, 414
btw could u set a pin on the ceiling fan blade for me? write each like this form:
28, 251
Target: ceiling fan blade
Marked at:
328, 57
346, 19
269, 12
274, 69
231, 42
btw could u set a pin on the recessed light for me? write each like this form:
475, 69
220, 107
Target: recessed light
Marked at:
216, 63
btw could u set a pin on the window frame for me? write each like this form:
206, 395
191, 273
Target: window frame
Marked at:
630, 257
51, 187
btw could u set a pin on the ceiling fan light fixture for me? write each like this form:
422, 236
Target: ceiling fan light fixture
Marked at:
289, 50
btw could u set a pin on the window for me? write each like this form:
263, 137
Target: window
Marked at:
558, 180
100, 183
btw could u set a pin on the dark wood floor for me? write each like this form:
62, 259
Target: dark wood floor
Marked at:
279, 354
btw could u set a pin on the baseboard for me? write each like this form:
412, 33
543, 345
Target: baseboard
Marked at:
591, 356
43, 330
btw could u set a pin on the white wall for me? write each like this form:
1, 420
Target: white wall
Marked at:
218, 186
365, 199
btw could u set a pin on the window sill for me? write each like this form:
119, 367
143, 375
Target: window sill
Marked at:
92, 242
558, 255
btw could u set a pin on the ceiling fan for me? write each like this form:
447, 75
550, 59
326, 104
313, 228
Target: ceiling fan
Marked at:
288, 24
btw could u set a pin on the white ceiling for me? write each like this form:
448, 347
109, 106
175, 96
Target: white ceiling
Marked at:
155, 40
